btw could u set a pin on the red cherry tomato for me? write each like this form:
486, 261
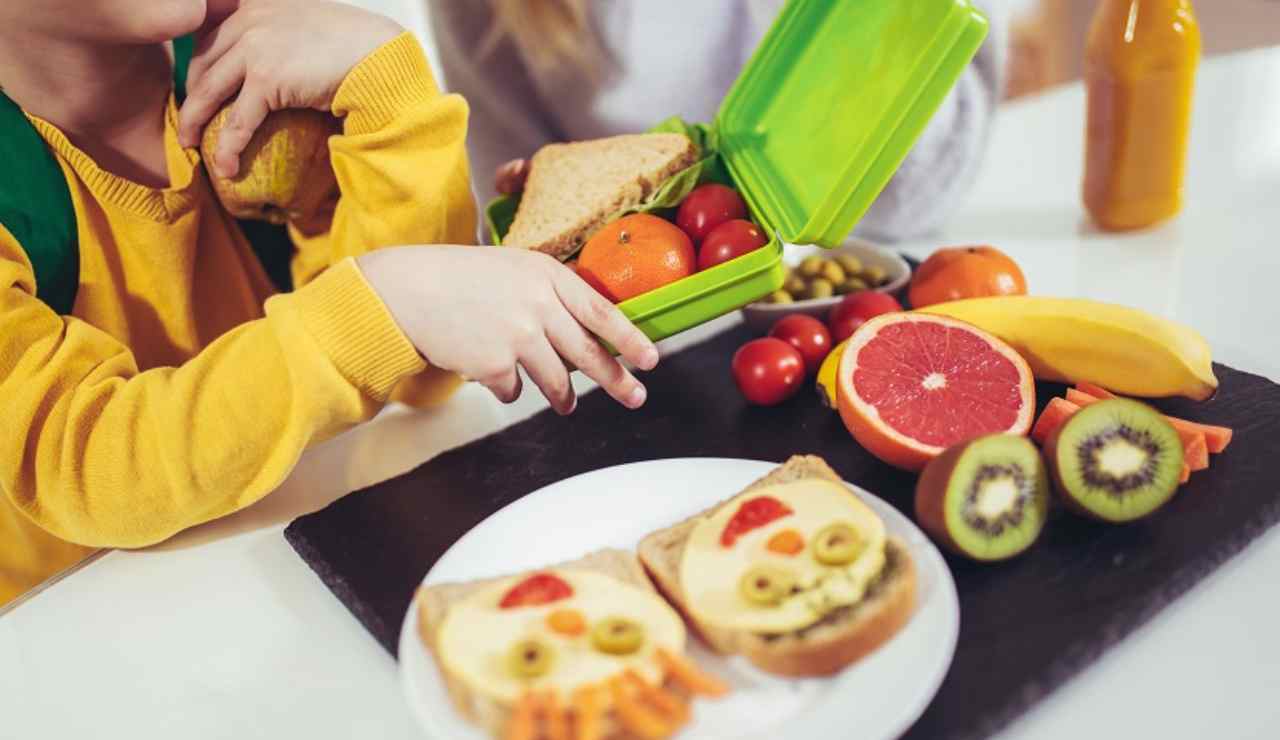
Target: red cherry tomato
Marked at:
806, 334
855, 310
707, 207
768, 371
728, 240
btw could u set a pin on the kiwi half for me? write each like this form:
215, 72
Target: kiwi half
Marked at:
1117, 460
986, 499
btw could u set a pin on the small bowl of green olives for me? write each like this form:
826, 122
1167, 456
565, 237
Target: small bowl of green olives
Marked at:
818, 279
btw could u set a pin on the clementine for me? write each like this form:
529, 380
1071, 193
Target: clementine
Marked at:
635, 255
956, 273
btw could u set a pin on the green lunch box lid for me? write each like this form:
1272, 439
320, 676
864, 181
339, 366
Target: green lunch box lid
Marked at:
831, 102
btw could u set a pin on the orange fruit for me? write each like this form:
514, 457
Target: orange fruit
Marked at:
911, 385
956, 273
634, 255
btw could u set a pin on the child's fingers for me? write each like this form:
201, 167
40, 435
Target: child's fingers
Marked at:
247, 113
604, 320
509, 179
207, 96
547, 371
506, 387
580, 348
213, 45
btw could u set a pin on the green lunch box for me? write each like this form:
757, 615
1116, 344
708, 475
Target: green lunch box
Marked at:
812, 130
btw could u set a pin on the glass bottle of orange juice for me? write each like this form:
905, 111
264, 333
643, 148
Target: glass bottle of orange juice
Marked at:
1140, 68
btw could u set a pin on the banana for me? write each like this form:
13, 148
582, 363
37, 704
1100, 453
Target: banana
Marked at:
827, 375
1071, 340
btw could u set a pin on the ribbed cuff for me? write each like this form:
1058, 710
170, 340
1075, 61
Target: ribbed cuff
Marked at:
388, 81
355, 330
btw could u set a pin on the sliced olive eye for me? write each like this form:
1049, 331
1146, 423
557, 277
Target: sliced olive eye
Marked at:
766, 585
617, 635
837, 544
530, 658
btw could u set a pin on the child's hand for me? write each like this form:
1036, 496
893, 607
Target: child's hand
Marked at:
481, 311
278, 54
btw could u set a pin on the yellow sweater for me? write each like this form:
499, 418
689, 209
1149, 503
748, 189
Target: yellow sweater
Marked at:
173, 395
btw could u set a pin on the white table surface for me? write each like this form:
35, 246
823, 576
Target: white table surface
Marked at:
225, 633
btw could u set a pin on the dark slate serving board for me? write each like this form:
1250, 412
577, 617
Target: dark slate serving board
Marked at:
1026, 626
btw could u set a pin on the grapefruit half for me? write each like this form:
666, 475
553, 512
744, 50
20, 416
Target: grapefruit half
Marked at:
911, 385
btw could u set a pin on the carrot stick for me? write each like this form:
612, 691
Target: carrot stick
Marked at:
1196, 452
670, 705
523, 723
1096, 391
588, 709
635, 717
555, 721
690, 676
1216, 438
1053, 416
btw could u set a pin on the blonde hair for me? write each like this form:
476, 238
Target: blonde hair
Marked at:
548, 34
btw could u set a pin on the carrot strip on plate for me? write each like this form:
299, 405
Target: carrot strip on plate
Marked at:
555, 720
638, 719
691, 676
588, 712
671, 706
523, 723
1216, 437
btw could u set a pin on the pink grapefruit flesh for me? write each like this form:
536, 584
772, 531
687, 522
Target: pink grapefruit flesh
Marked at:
912, 385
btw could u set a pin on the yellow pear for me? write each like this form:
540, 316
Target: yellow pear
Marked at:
284, 171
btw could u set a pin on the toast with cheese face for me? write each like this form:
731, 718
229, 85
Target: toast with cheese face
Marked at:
587, 645
794, 572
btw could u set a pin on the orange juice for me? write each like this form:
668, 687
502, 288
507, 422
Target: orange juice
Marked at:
1140, 68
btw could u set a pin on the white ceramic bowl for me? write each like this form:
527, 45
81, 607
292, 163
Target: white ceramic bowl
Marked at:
761, 316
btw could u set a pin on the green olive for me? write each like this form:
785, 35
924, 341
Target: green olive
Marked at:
852, 285
834, 272
795, 285
617, 635
811, 266
874, 275
852, 265
837, 544
820, 288
530, 658
779, 297
766, 585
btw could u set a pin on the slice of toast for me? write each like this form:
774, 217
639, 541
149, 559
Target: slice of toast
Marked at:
573, 189
434, 602
823, 648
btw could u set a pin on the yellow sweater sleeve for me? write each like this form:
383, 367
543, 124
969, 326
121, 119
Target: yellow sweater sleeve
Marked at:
401, 166
400, 162
100, 454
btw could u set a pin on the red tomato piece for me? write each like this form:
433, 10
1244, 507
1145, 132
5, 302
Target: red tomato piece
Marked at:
752, 514
539, 588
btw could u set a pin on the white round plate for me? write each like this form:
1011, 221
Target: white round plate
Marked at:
880, 695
